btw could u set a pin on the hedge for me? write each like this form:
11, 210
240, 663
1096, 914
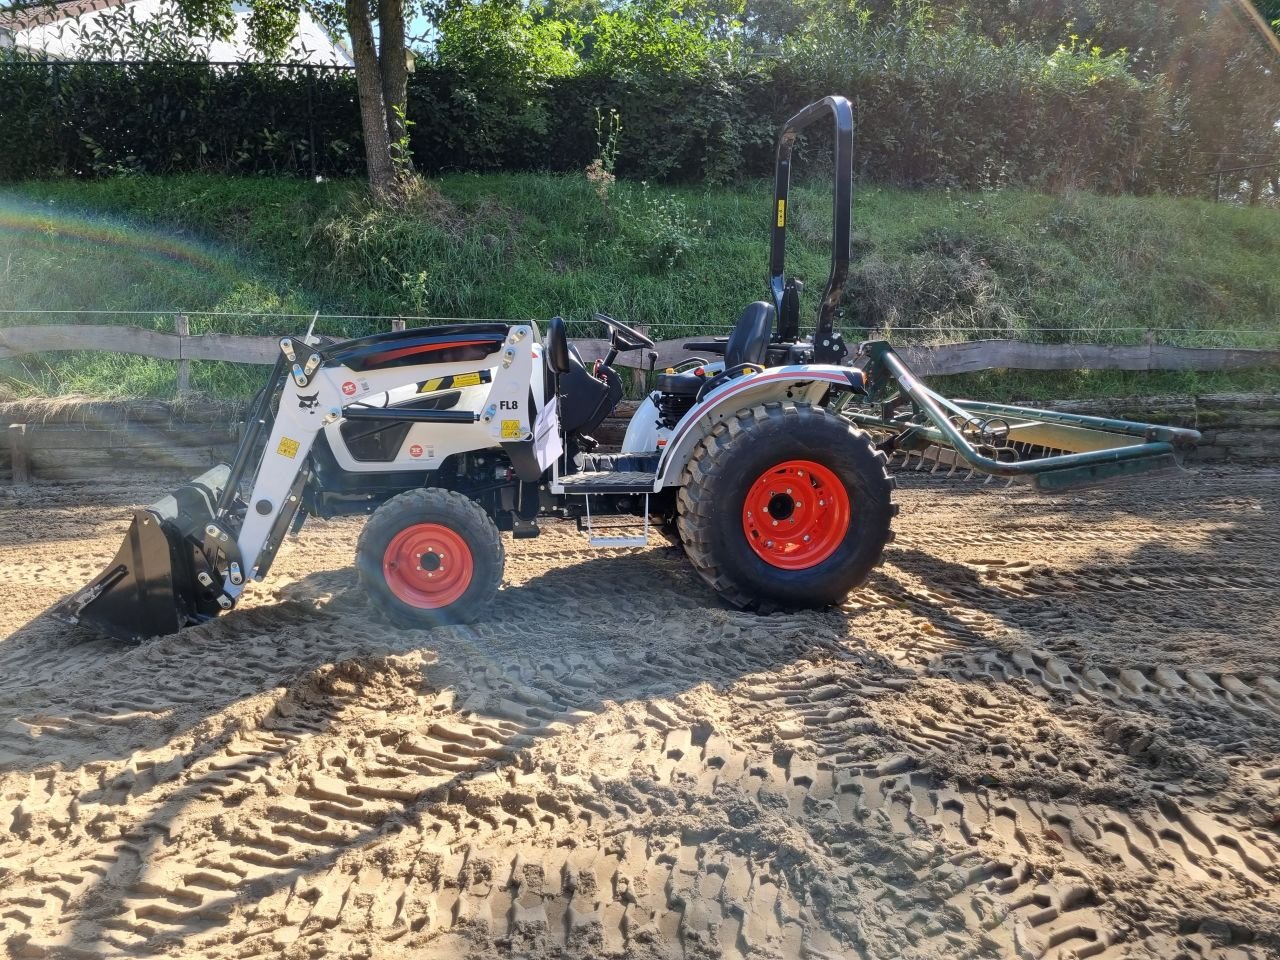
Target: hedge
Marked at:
939, 127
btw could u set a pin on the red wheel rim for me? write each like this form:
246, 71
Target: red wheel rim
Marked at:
796, 514
427, 566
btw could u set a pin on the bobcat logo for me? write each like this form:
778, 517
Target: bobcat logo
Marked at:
309, 402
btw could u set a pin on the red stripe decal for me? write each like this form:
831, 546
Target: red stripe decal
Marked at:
427, 348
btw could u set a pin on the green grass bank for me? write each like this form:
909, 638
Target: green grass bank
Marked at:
929, 266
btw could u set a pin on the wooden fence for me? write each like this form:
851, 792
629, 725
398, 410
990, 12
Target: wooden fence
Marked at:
947, 358
92, 440
103, 440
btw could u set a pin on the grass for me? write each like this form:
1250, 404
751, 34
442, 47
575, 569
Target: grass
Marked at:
929, 266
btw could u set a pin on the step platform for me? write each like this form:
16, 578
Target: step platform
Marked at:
611, 482
607, 481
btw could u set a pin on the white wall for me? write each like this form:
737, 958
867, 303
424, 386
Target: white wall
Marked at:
63, 38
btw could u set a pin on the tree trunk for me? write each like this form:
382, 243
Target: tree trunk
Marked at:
373, 112
1255, 188
395, 74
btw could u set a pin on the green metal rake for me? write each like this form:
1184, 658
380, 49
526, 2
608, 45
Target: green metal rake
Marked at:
1051, 450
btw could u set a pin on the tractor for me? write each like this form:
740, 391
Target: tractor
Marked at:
768, 463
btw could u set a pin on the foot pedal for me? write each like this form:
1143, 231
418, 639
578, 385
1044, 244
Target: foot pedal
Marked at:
524, 529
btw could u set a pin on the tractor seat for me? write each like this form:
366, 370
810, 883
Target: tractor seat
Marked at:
585, 399
749, 343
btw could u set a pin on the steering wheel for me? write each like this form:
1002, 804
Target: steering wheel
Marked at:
624, 337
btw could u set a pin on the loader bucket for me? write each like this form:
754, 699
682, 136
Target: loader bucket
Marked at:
154, 584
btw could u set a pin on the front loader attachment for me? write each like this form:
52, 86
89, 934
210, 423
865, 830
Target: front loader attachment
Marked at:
163, 576
1051, 450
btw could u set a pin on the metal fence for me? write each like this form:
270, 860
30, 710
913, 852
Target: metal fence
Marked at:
200, 322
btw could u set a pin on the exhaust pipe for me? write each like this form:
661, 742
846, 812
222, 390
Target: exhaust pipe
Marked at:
162, 578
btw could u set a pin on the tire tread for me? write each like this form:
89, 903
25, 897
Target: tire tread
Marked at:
693, 501
416, 506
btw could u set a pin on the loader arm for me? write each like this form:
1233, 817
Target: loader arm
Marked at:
190, 555
341, 386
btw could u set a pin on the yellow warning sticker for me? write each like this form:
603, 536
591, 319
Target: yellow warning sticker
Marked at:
782, 213
512, 430
288, 448
453, 381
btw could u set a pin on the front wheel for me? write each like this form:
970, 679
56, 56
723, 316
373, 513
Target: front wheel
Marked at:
785, 505
430, 557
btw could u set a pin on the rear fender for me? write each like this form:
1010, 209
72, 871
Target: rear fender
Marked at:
800, 383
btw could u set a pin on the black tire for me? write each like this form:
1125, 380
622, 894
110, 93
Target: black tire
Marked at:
741, 450
407, 513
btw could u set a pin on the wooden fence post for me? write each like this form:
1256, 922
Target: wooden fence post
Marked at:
639, 381
182, 327
19, 454
397, 325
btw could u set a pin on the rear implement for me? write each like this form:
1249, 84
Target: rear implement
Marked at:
1052, 451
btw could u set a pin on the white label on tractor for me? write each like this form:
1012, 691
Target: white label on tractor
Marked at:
415, 451
547, 445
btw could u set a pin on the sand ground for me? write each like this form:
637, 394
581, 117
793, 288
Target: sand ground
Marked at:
1044, 728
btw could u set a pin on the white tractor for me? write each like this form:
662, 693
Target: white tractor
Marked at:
769, 463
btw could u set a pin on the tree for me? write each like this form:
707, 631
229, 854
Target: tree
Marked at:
381, 67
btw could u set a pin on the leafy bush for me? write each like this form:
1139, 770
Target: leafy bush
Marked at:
941, 97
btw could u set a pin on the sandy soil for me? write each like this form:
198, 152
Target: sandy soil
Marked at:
1045, 728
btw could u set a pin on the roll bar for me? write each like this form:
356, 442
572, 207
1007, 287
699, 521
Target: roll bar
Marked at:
828, 348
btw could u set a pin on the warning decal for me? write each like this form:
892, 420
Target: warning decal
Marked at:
512, 430
782, 213
349, 389
288, 447
415, 451
454, 381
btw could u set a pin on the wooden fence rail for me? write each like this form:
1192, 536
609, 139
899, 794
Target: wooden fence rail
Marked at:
948, 358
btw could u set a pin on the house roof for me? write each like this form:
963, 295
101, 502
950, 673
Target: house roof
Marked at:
27, 16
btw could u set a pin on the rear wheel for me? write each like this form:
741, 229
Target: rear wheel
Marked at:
785, 505
430, 557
